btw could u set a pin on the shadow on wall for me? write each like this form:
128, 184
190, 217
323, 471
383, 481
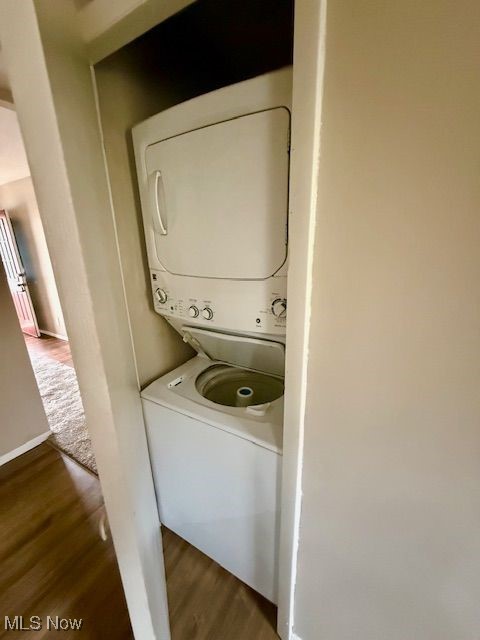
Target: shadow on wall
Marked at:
213, 43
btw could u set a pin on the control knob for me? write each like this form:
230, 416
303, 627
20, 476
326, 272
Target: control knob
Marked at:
279, 307
193, 311
207, 313
161, 296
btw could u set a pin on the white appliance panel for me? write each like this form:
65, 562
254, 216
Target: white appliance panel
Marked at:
219, 197
236, 305
266, 356
219, 492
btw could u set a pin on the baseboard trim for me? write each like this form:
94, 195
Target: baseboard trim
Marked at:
54, 335
31, 444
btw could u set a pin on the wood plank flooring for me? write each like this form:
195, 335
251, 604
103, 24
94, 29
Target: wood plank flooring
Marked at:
54, 348
52, 560
208, 603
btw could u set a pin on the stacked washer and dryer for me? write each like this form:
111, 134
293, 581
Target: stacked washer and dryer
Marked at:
213, 175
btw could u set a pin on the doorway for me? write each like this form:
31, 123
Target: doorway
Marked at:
26, 261
137, 82
16, 277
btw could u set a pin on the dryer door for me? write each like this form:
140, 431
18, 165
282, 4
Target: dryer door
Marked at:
219, 197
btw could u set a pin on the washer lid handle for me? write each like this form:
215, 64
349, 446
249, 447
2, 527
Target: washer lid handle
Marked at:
194, 343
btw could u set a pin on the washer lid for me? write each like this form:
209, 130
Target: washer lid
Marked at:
251, 353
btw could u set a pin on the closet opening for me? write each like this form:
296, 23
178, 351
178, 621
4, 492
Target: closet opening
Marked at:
207, 94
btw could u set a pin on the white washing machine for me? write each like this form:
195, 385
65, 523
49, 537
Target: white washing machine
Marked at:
213, 177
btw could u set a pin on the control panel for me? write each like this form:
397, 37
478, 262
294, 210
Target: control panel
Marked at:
237, 305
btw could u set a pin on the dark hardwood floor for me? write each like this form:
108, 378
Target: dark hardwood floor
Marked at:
54, 348
208, 603
52, 559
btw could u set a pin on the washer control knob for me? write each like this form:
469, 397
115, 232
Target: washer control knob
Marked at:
279, 308
161, 296
193, 311
207, 313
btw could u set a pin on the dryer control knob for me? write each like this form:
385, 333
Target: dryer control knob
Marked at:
279, 308
207, 313
161, 296
193, 311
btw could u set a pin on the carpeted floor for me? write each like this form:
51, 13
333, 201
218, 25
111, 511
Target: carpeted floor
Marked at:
63, 405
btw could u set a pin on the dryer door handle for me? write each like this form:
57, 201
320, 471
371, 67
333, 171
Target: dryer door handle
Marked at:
157, 193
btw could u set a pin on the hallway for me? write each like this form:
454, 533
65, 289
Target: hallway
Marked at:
53, 561
56, 378
54, 348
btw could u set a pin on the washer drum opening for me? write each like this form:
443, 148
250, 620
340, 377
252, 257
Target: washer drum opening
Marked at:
235, 387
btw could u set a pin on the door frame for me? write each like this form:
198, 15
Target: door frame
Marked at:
43, 51
308, 72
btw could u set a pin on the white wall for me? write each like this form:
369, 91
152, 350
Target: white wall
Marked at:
4, 84
127, 97
6, 98
18, 198
22, 417
106, 26
98, 16
390, 525
13, 161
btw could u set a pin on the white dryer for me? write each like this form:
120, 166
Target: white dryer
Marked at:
213, 177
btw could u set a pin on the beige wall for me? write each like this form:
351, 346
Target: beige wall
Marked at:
390, 526
13, 161
100, 17
18, 198
22, 417
107, 26
127, 97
